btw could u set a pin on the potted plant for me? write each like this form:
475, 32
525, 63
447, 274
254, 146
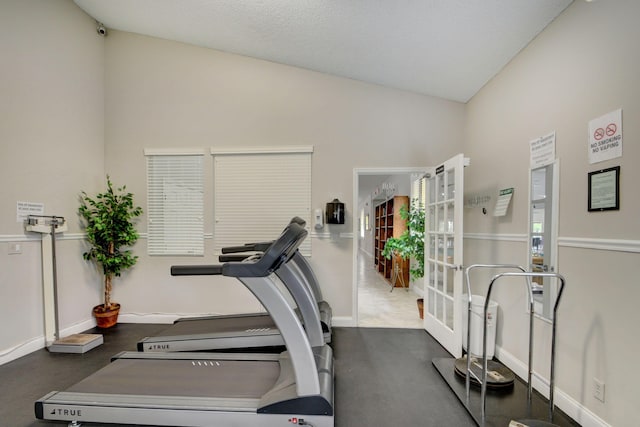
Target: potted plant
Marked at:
410, 244
110, 230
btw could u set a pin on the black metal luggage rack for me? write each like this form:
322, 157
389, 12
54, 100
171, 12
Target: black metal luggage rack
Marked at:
516, 401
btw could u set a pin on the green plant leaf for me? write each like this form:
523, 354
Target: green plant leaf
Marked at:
108, 220
409, 244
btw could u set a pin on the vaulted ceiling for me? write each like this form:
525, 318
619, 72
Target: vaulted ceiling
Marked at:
444, 48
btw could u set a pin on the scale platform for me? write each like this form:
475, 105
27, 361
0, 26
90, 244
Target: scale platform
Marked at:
498, 375
504, 404
76, 343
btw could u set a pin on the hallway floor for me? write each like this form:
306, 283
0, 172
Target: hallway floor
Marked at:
378, 307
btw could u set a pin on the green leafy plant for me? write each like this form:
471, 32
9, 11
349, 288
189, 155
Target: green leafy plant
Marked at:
110, 229
409, 244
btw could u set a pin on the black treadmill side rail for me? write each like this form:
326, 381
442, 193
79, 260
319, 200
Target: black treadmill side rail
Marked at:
306, 405
196, 270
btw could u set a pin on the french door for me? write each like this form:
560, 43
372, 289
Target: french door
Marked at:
443, 255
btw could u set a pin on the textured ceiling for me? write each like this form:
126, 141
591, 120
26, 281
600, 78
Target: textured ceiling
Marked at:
443, 48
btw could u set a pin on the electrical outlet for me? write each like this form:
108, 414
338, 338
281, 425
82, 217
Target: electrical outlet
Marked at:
598, 389
15, 248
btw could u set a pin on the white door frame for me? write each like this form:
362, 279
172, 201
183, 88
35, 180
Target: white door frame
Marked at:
356, 183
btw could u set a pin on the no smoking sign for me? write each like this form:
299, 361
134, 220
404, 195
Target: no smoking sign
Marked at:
605, 137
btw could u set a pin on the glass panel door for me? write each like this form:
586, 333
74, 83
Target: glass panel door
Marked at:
443, 255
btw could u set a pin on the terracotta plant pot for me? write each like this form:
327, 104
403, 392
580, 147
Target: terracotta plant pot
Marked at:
420, 302
106, 318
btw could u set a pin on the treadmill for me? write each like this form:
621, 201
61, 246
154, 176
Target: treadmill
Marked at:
243, 331
305, 271
215, 389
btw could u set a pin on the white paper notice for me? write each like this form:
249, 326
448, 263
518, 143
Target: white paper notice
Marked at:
543, 151
502, 204
605, 137
24, 209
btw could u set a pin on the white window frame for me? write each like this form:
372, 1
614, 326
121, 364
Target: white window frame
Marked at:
257, 191
175, 202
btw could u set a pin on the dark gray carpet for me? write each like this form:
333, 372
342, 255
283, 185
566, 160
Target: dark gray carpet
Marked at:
384, 377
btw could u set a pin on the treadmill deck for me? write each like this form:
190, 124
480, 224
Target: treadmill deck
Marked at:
188, 378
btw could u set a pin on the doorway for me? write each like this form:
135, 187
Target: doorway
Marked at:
375, 302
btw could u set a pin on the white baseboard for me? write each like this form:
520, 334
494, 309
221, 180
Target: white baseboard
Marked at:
343, 321
20, 350
562, 400
78, 327
37, 343
418, 290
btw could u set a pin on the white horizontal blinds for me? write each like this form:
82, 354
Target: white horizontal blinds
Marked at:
257, 194
418, 192
175, 207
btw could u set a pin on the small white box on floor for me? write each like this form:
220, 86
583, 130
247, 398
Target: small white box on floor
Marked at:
477, 325
76, 343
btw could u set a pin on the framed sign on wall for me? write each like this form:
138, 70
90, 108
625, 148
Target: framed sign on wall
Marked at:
604, 190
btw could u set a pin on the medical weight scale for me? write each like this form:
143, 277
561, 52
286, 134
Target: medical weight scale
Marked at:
48, 226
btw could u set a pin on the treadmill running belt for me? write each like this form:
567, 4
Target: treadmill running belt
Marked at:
220, 325
205, 378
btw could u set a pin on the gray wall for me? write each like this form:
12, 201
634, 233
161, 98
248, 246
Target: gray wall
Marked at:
585, 64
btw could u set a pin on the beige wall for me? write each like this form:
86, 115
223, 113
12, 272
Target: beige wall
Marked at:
585, 64
79, 106
166, 94
52, 146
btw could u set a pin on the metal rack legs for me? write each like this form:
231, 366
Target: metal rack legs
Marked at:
469, 302
528, 276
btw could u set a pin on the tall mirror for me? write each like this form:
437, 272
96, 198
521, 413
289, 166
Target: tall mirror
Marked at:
543, 219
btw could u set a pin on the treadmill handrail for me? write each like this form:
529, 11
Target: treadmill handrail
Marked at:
196, 270
278, 252
259, 246
295, 338
299, 260
233, 258
307, 272
290, 277
247, 247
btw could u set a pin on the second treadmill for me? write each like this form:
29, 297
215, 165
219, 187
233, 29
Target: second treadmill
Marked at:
244, 331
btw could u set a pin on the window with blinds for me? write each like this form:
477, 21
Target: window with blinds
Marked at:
418, 191
175, 203
257, 192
